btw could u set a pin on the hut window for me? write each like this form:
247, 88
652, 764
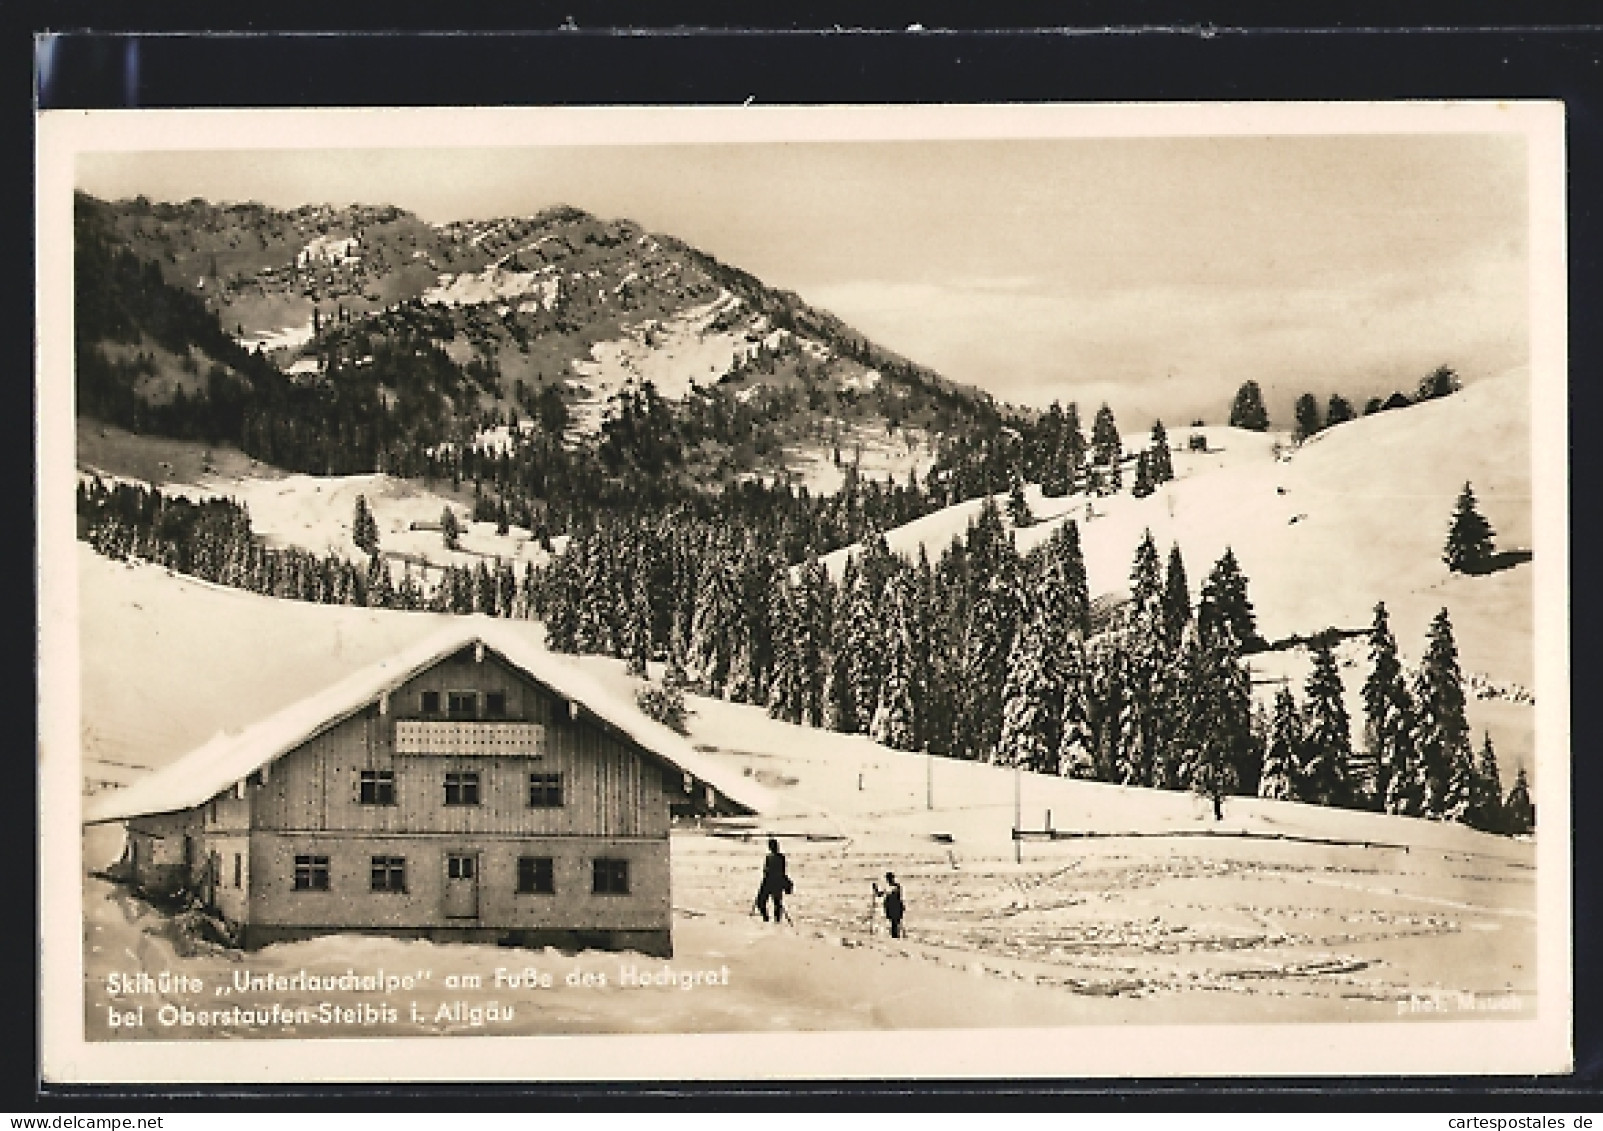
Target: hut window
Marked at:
462, 704
311, 873
610, 877
389, 873
378, 787
545, 791
462, 787
495, 704
536, 876
430, 703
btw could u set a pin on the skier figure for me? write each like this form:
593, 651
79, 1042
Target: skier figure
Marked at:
892, 898
776, 884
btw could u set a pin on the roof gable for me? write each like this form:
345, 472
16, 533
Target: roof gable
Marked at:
227, 758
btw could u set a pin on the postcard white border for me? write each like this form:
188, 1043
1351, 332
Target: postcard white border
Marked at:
1541, 1045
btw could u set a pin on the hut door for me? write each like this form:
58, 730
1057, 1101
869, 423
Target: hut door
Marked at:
214, 869
461, 886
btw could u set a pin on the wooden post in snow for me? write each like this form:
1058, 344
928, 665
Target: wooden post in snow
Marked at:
1018, 819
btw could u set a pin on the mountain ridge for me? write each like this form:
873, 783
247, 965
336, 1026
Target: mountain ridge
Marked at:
545, 320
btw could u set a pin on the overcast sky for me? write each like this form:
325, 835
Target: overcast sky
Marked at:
1156, 274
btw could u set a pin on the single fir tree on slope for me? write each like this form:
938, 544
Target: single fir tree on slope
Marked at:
1247, 411
1469, 537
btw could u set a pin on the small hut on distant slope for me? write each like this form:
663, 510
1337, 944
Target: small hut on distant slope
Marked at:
472, 787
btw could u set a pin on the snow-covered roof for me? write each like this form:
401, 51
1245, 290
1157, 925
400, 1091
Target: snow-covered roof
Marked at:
226, 759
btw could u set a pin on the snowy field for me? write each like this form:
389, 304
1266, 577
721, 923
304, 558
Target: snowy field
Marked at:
1152, 912
315, 513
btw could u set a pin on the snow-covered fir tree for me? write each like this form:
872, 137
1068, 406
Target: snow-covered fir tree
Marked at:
364, 528
863, 626
1389, 723
1158, 672
1216, 734
1063, 561
1146, 579
992, 619
1076, 756
1469, 537
380, 588
840, 708
1283, 752
894, 714
1441, 730
1327, 734
409, 594
715, 626
924, 605
1073, 452
1161, 461
1247, 410
812, 623
1106, 446
1143, 484
1307, 414
785, 688
1032, 696
1225, 603
1486, 791
637, 633
1018, 508
1176, 598
1519, 812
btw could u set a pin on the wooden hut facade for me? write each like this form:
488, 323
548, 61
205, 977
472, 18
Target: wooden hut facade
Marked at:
474, 789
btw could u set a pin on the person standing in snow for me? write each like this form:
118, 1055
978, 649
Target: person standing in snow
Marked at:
776, 884
892, 899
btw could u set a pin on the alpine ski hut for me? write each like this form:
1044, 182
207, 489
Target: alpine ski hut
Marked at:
472, 787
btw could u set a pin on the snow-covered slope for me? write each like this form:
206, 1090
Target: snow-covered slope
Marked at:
1357, 515
1149, 916
672, 353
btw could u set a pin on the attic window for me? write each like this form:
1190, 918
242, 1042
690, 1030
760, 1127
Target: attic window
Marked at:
462, 704
495, 704
431, 703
